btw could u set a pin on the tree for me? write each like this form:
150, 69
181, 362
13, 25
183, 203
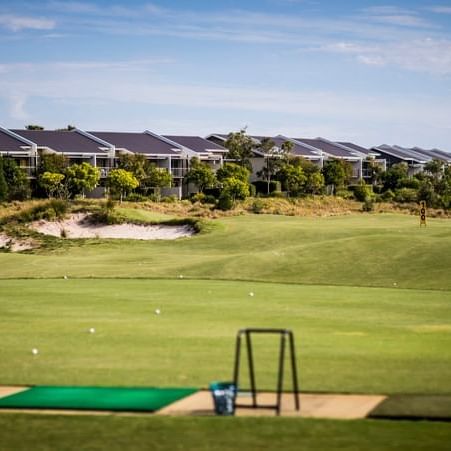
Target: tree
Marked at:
314, 183
435, 168
3, 185
134, 163
157, 178
34, 127
52, 182
240, 148
69, 128
81, 178
235, 188
200, 174
275, 158
293, 178
121, 182
336, 173
233, 170
16, 180
395, 176
52, 162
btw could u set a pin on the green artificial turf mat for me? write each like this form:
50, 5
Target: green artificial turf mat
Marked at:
414, 407
96, 398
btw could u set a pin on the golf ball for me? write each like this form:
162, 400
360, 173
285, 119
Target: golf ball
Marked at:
395, 284
157, 311
251, 294
92, 330
65, 277
34, 351
181, 276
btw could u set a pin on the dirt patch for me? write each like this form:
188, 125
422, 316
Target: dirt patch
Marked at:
79, 226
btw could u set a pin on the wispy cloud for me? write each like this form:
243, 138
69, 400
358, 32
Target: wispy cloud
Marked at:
18, 23
421, 55
440, 9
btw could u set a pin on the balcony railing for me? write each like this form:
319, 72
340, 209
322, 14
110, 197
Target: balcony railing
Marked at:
178, 172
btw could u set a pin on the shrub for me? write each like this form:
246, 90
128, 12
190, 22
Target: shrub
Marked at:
197, 197
363, 191
225, 201
406, 195
169, 199
136, 197
388, 195
368, 204
257, 206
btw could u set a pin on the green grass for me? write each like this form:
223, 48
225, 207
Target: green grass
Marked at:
355, 250
48, 433
368, 297
414, 407
371, 340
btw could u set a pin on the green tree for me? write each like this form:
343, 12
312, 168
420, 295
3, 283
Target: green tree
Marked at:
156, 178
200, 174
16, 180
52, 182
233, 170
134, 163
34, 127
81, 178
336, 173
293, 178
121, 182
52, 162
395, 176
235, 188
3, 185
240, 147
314, 182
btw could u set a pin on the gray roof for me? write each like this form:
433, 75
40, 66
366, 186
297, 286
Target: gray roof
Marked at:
138, 142
328, 147
62, 141
299, 149
435, 154
9, 143
402, 153
358, 148
196, 143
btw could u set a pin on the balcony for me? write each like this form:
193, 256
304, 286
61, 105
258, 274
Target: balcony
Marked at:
178, 172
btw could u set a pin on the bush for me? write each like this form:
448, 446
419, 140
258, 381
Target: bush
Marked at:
413, 183
261, 187
197, 197
169, 199
344, 194
363, 192
136, 197
388, 195
257, 206
405, 195
368, 205
225, 201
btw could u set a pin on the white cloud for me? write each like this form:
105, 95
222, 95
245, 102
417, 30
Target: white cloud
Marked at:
17, 103
420, 55
18, 23
441, 9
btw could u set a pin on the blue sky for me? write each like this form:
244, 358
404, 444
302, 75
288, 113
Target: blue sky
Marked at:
370, 72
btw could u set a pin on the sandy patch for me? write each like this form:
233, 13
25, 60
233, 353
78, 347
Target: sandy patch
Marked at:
14, 244
79, 226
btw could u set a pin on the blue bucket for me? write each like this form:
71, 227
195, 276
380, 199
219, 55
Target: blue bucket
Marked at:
224, 394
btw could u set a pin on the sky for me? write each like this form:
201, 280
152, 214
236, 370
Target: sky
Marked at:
363, 71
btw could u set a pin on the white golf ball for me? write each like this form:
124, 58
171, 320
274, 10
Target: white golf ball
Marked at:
181, 276
251, 294
34, 351
157, 311
65, 277
395, 284
92, 330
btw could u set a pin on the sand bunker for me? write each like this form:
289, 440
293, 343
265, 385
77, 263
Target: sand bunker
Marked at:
16, 245
79, 226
